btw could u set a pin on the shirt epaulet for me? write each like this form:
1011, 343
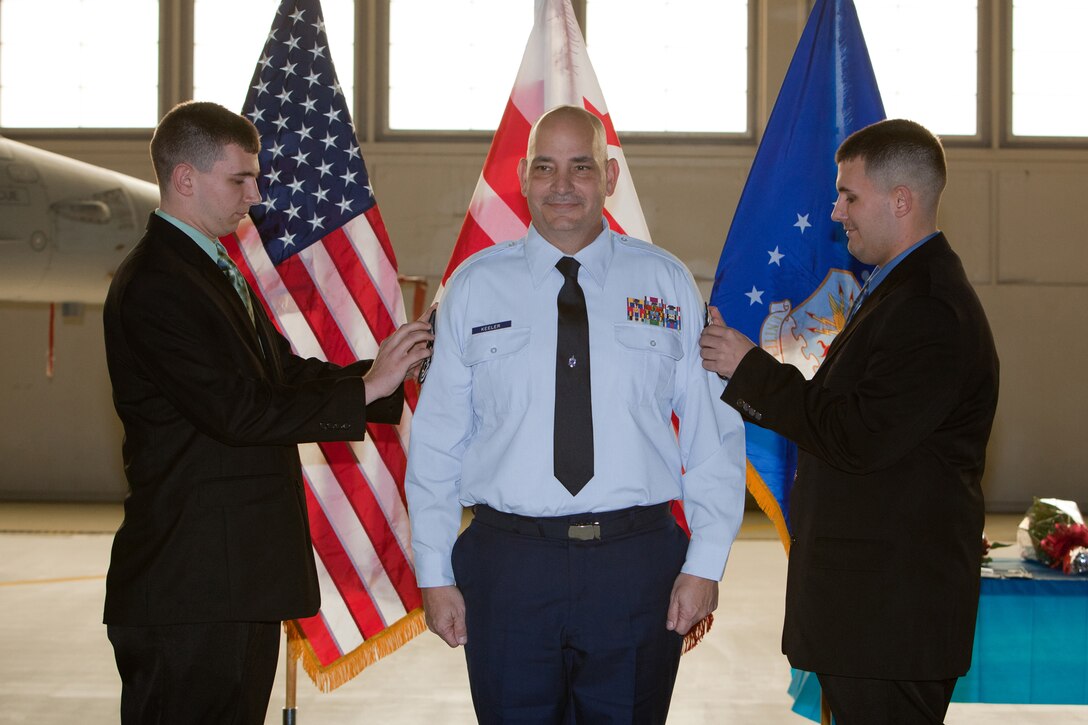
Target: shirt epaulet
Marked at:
639, 245
484, 253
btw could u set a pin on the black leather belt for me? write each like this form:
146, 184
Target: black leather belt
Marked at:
579, 527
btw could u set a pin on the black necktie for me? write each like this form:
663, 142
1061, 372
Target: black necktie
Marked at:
572, 439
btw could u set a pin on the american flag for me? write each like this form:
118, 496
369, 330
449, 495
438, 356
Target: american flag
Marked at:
317, 253
555, 71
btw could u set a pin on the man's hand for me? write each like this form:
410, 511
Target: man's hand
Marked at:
398, 354
722, 347
445, 611
692, 599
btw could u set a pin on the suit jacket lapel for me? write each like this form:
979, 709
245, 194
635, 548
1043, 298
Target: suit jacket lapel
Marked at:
902, 272
267, 336
216, 283
866, 309
222, 287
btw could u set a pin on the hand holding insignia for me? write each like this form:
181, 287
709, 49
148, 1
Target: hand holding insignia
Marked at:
398, 356
722, 347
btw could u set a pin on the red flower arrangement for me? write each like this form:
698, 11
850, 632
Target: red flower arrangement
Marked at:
1053, 533
1061, 542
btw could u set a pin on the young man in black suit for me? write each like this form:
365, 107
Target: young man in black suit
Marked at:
887, 508
214, 551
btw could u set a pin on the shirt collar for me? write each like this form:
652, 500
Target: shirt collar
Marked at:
202, 240
879, 273
595, 258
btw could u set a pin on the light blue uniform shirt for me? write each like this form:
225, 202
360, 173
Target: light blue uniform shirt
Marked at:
482, 432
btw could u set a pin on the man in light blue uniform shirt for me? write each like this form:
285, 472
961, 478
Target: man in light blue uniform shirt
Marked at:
571, 602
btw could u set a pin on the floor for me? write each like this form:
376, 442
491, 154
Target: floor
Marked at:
57, 667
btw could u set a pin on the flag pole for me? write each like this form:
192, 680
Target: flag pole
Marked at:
825, 710
290, 711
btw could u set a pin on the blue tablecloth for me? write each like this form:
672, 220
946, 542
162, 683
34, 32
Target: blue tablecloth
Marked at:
1031, 640
1031, 643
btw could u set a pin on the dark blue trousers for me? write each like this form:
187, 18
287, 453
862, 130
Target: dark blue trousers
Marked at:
567, 631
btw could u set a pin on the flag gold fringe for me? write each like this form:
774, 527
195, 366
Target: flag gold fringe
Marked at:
328, 677
768, 503
695, 634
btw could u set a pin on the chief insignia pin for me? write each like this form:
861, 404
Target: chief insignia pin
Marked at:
572, 362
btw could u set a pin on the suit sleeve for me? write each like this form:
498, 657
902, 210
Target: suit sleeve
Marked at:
298, 369
184, 347
870, 409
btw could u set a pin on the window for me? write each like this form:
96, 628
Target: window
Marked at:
1049, 56
937, 88
452, 64
70, 63
229, 38
673, 65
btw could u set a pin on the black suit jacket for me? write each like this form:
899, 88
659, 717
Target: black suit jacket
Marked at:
215, 525
886, 510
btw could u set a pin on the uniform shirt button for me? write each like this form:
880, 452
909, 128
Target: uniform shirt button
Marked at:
494, 349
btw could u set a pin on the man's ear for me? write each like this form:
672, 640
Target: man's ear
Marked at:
903, 200
611, 176
182, 179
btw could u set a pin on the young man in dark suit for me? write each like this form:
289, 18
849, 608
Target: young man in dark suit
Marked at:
887, 508
214, 551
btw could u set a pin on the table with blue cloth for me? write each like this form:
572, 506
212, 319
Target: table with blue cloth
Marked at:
1031, 642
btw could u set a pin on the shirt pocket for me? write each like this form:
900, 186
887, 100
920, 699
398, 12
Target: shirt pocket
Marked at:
649, 356
501, 378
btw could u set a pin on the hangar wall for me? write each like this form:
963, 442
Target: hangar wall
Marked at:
1013, 214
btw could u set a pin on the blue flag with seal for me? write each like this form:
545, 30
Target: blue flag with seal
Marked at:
785, 278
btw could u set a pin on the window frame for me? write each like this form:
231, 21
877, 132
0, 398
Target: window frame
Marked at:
1008, 139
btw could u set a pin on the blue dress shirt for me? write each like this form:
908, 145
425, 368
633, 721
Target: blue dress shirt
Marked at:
482, 432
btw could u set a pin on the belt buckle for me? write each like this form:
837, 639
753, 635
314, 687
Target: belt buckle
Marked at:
584, 532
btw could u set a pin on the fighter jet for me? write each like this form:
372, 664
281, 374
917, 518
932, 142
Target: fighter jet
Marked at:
65, 225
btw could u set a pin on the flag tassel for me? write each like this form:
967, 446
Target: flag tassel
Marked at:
695, 634
331, 676
768, 504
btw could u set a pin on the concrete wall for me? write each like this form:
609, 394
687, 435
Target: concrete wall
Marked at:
1014, 216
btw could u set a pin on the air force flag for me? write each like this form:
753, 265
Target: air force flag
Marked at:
785, 278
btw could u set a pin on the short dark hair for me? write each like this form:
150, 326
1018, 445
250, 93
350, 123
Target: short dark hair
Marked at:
898, 151
196, 132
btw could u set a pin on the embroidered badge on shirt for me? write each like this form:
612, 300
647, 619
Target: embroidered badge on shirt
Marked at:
653, 311
490, 327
